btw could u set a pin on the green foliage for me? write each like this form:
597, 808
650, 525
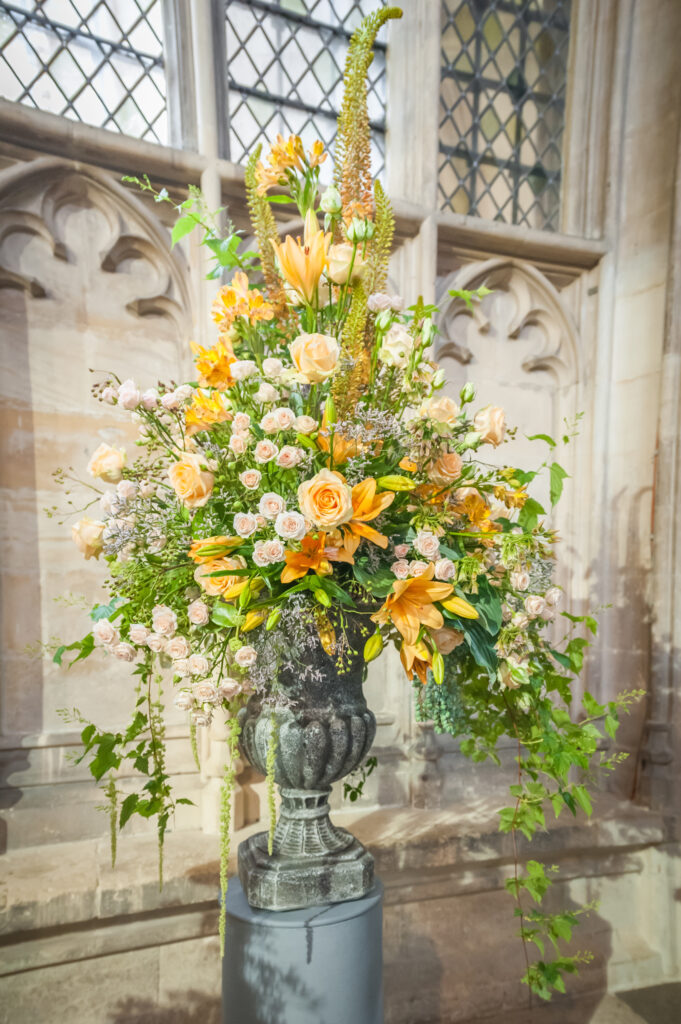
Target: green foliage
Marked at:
353, 785
226, 793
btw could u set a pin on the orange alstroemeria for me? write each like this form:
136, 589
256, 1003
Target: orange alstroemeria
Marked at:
302, 264
205, 410
213, 364
236, 299
411, 605
366, 505
416, 659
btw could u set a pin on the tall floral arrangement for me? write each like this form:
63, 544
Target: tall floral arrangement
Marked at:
313, 470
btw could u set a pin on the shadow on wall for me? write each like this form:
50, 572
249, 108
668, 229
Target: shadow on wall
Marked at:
187, 1007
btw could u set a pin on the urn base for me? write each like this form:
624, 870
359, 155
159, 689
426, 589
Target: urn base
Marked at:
280, 882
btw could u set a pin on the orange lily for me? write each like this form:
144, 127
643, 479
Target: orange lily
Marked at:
311, 556
302, 264
415, 660
411, 605
366, 505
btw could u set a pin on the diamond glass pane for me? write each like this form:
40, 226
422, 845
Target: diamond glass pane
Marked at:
503, 78
285, 73
101, 63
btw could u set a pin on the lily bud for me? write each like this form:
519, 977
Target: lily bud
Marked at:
330, 410
253, 619
438, 668
373, 646
467, 393
331, 201
457, 606
244, 596
322, 597
396, 483
273, 619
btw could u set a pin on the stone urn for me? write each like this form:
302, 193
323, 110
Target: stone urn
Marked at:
323, 731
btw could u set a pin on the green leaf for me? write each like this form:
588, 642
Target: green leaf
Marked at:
611, 725
542, 437
128, 808
106, 757
558, 475
529, 515
225, 615
487, 603
478, 641
583, 799
182, 227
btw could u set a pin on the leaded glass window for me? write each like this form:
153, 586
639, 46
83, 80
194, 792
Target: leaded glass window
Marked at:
285, 69
101, 63
502, 108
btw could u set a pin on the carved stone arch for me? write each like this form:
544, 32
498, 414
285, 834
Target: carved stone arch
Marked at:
535, 303
40, 199
520, 348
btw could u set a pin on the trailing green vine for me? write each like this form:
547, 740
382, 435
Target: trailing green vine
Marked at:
226, 795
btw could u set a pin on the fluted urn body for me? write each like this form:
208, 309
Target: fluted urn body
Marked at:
317, 724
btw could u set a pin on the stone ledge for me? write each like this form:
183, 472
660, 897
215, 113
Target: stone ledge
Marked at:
65, 901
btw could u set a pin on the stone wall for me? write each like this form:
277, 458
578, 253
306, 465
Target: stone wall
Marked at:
580, 322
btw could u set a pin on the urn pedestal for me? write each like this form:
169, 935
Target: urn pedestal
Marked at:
322, 730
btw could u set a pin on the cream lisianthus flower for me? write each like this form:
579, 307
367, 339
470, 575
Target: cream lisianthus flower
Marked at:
326, 500
87, 535
490, 423
314, 356
106, 463
396, 347
191, 482
340, 259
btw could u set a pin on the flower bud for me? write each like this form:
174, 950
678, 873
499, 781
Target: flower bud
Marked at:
322, 597
472, 439
244, 596
253, 619
467, 393
384, 319
373, 646
396, 483
360, 229
273, 618
438, 667
457, 606
330, 410
331, 201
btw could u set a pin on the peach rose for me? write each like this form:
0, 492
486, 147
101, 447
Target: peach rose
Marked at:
250, 478
271, 504
177, 648
164, 620
183, 700
265, 451
447, 639
192, 484
490, 423
445, 570
446, 469
105, 633
326, 500
246, 656
304, 424
87, 534
289, 457
427, 544
216, 585
314, 356
290, 525
442, 410
340, 258
106, 463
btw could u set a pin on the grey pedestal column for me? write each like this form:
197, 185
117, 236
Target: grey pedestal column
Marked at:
321, 965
